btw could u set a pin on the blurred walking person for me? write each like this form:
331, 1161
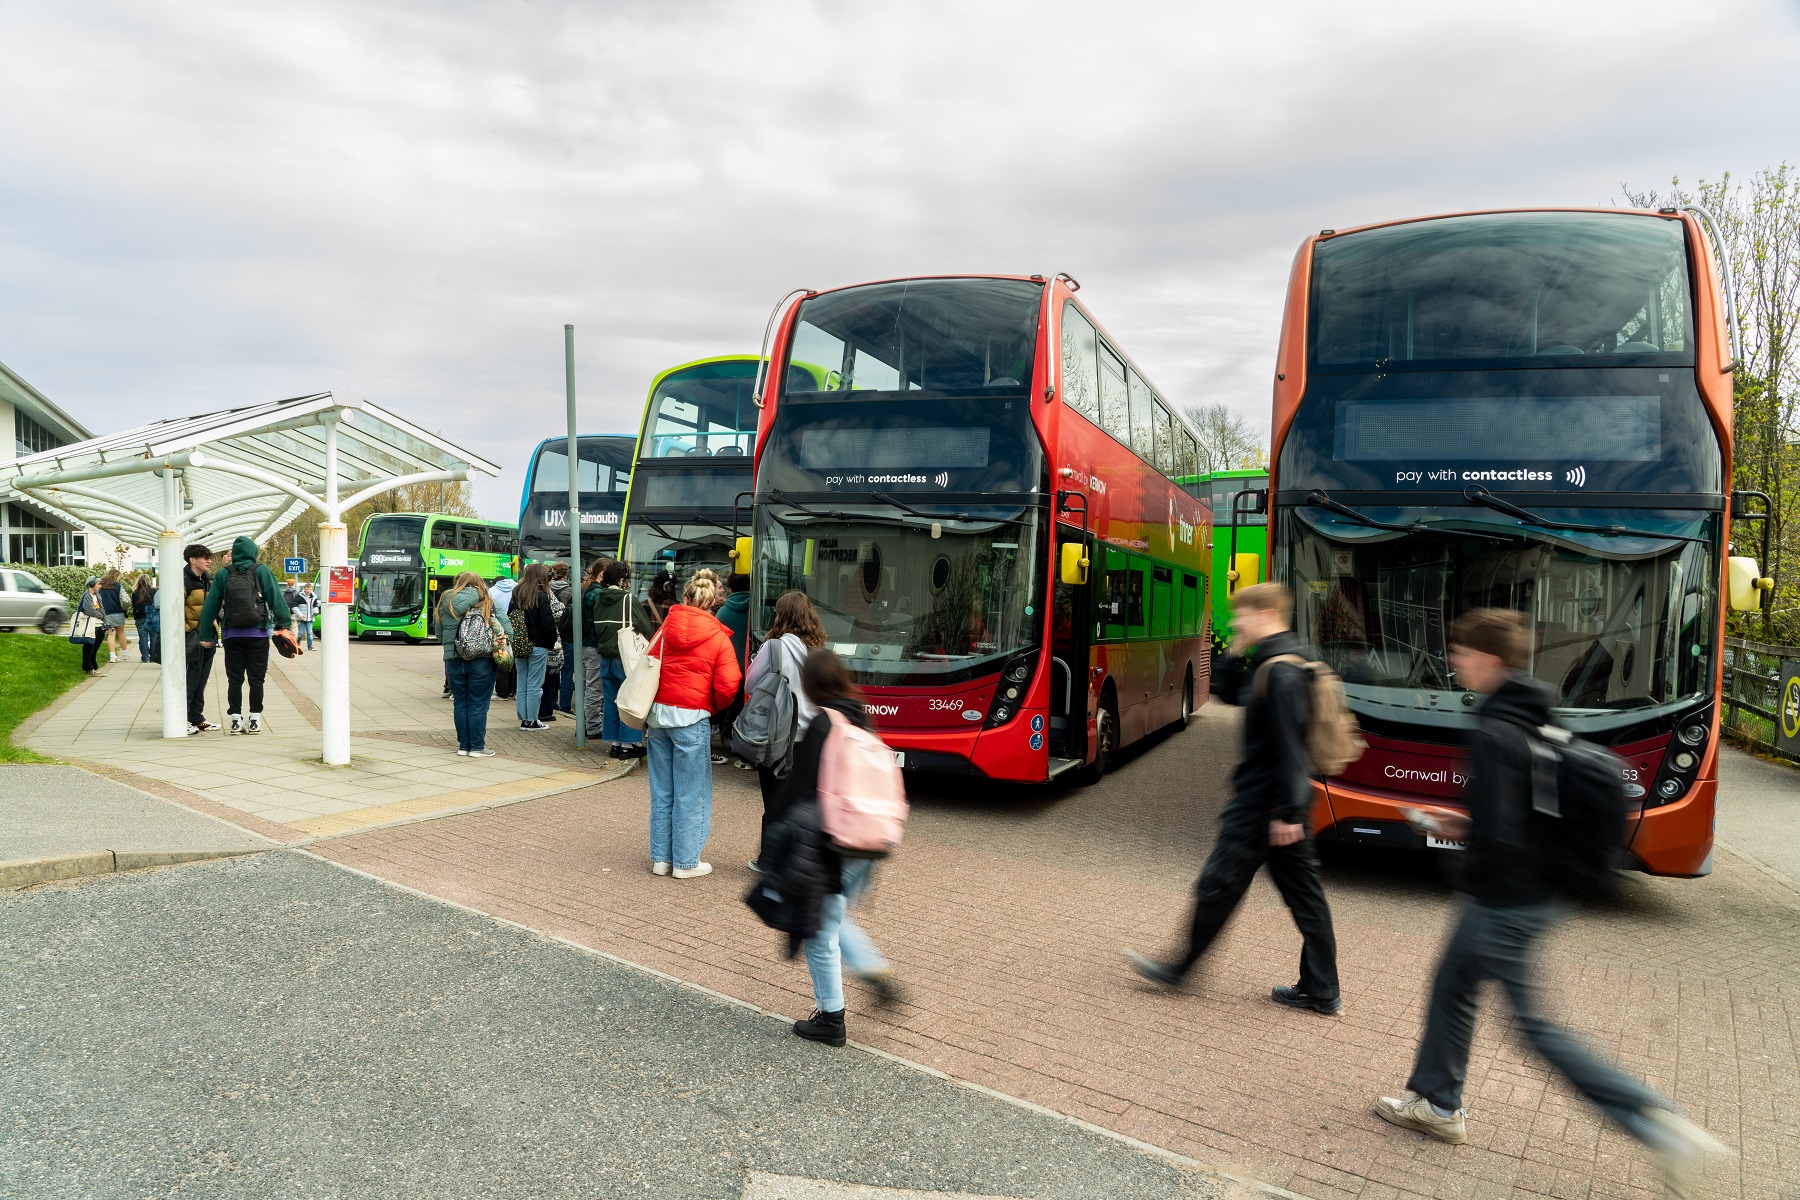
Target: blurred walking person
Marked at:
246, 603
1510, 873
534, 632
143, 604
1265, 821
114, 606
469, 659
608, 606
699, 677
306, 607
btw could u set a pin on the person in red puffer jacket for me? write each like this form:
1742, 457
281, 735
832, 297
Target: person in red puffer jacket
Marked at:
700, 676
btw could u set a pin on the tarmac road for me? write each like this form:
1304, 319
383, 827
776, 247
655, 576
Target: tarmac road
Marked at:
279, 1026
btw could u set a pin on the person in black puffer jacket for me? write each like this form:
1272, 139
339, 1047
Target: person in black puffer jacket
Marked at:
839, 940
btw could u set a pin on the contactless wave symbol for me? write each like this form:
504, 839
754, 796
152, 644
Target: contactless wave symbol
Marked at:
943, 479
1578, 476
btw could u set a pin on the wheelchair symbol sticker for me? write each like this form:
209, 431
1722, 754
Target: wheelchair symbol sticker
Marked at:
1037, 741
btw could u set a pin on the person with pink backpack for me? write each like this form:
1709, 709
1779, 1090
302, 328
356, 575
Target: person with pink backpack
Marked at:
846, 770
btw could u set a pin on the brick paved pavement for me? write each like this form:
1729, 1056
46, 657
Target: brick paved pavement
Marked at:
1006, 912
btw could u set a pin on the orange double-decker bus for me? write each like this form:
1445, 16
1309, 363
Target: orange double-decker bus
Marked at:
1529, 410
976, 488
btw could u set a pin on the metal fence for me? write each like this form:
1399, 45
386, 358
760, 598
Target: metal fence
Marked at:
1753, 692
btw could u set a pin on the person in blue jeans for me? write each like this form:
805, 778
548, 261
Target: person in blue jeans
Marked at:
840, 942
471, 679
700, 676
534, 633
606, 606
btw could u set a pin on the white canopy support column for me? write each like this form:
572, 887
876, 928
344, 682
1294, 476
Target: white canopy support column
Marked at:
171, 607
246, 472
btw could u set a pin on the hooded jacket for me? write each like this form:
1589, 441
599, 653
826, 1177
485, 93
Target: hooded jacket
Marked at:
1273, 780
734, 615
699, 670
601, 618
243, 559
1505, 865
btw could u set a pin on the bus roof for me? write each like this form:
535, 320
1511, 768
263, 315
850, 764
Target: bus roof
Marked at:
1669, 215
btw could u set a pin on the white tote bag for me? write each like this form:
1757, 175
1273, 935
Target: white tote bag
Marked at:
637, 695
631, 642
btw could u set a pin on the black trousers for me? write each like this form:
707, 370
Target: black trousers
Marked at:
552, 689
245, 656
90, 655
199, 670
1243, 846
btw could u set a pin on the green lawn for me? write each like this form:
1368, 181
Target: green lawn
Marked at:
34, 671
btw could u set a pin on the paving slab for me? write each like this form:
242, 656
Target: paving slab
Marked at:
1759, 810
52, 810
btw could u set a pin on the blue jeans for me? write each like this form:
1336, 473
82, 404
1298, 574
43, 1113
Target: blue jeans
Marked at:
530, 691
1501, 944
680, 793
471, 689
612, 677
840, 941
146, 641
565, 694
304, 630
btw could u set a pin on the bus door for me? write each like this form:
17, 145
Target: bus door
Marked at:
1071, 651
436, 587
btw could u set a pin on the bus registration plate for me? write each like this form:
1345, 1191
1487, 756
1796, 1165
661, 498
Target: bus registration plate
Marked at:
1438, 843
900, 759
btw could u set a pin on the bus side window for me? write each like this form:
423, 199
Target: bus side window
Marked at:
1137, 599
1190, 458
1162, 588
1081, 384
443, 535
1114, 600
1143, 418
1165, 440
1115, 416
1190, 605
471, 537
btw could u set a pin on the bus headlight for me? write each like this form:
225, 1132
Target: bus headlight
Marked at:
1015, 677
1693, 735
1668, 789
1685, 761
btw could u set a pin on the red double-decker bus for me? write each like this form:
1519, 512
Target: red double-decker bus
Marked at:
976, 489
1528, 410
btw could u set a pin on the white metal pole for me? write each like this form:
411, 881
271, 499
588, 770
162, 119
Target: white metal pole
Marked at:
171, 607
575, 590
334, 669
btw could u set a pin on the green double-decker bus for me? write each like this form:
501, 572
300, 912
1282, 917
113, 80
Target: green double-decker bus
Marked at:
1239, 560
408, 558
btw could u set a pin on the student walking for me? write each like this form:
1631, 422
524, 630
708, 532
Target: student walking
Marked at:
305, 608
699, 677
1265, 821
840, 942
469, 659
196, 585
114, 605
1509, 891
796, 630
143, 604
534, 632
606, 606
245, 602
91, 615
554, 664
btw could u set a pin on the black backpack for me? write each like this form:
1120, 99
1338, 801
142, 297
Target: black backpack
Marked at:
790, 887
1577, 785
245, 606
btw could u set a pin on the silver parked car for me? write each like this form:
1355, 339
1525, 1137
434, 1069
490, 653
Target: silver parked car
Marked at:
26, 601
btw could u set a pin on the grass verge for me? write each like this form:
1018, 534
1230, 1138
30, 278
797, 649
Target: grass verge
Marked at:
33, 672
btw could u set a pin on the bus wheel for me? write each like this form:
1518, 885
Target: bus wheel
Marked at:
1106, 734
1187, 701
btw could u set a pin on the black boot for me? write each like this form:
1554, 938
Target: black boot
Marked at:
1293, 997
827, 1027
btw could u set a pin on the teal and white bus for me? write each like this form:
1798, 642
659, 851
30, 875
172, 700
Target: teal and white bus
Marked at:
407, 558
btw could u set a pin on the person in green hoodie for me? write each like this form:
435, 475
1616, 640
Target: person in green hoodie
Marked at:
246, 601
606, 605
734, 614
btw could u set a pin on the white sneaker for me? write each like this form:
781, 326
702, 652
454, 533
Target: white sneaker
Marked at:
481, 754
1413, 1111
237, 723
659, 868
192, 730
462, 753
255, 725
693, 872
1682, 1150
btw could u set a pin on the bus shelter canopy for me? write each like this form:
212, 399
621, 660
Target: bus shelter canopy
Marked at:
241, 472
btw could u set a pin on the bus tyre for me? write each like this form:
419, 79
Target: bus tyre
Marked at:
1187, 701
1106, 738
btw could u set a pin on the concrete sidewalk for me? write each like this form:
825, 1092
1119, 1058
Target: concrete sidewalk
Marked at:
404, 762
54, 810
1759, 811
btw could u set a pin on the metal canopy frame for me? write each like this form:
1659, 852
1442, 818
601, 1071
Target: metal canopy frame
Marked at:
243, 472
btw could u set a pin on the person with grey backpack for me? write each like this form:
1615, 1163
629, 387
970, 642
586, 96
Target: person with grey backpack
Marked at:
765, 735
473, 639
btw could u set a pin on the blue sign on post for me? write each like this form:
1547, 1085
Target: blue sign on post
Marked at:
293, 566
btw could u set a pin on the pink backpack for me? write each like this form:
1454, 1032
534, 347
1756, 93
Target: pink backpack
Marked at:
862, 801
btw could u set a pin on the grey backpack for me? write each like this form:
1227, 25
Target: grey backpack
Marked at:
763, 734
474, 636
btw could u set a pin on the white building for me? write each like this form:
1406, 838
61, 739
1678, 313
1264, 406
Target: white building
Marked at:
31, 533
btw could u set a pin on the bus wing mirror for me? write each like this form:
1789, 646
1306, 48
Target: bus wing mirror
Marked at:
1074, 563
740, 556
1744, 584
1246, 569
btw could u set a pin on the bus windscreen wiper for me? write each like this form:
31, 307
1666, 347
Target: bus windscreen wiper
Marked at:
1319, 499
960, 516
1476, 494
679, 541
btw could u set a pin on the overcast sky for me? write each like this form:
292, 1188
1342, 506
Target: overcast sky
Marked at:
209, 204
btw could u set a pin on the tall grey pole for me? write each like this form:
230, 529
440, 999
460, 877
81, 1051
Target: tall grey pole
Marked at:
572, 659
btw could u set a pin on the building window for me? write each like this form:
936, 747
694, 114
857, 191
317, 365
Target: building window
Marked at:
30, 437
